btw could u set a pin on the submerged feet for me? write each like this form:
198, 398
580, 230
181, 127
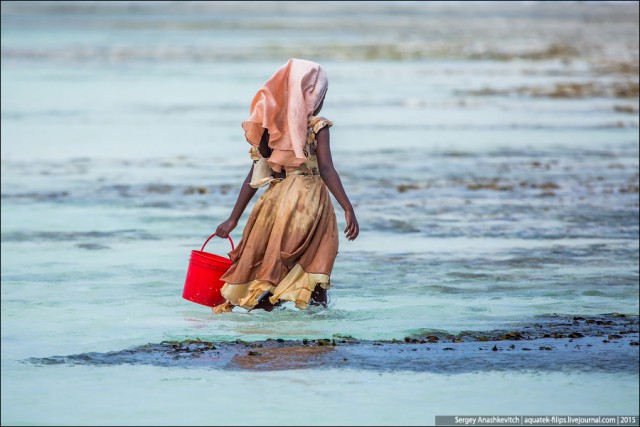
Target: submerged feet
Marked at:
265, 304
319, 297
225, 307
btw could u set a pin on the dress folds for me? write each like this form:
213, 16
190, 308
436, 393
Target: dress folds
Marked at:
290, 241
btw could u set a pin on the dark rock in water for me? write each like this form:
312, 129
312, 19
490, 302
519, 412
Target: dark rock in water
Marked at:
404, 187
512, 336
630, 188
489, 186
92, 246
568, 90
546, 194
408, 354
196, 190
159, 188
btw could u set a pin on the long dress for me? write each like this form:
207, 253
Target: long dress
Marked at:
290, 241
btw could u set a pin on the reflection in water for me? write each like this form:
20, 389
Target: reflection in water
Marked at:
285, 358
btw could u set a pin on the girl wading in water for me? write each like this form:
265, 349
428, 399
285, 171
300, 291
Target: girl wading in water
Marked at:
290, 241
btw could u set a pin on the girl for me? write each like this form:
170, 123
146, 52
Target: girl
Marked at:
290, 241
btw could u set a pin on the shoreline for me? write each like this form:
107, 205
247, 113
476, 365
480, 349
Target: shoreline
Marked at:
605, 343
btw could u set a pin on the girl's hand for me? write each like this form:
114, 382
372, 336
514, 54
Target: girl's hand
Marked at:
226, 227
352, 230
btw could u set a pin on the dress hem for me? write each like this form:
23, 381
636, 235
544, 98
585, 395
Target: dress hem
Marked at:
297, 287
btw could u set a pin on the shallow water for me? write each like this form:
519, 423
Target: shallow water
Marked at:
120, 154
160, 396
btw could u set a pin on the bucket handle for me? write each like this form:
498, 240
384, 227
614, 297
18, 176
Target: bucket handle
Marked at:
210, 237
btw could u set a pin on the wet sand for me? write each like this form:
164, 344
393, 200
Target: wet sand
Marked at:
606, 343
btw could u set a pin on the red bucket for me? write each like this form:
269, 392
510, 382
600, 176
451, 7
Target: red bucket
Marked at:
203, 283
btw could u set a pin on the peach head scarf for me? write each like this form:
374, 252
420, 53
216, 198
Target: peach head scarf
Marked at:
283, 106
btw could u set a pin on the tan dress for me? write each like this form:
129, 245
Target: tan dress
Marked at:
290, 241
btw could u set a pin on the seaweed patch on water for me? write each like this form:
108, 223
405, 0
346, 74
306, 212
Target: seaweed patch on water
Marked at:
606, 342
92, 246
568, 90
71, 236
38, 196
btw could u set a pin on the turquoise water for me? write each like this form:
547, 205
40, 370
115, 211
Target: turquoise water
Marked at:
121, 153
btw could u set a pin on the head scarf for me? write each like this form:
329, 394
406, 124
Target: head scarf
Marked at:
282, 106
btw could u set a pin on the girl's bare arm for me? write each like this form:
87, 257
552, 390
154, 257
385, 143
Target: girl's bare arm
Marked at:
334, 184
246, 194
